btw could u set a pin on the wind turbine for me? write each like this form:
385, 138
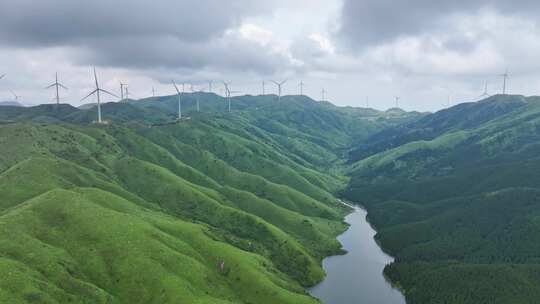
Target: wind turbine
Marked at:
230, 93
122, 86
323, 93
397, 102
485, 94
301, 85
279, 85
57, 85
264, 87
227, 93
210, 85
367, 102
505, 78
179, 99
15, 95
197, 96
2, 76
153, 92
97, 91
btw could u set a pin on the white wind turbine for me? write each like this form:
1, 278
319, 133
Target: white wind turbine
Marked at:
123, 87
97, 91
197, 96
505, 79
323, 95
279, 85
57, 86
485, 94
301, 85
228, 93
179, 99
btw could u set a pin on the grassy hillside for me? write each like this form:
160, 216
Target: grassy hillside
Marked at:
216, 208
460, 211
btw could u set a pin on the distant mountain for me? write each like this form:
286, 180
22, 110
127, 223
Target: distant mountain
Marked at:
427, 127
87, 106
11, 103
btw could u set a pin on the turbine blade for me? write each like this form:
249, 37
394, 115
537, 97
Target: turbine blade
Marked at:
64, 87
52, 85
93, 92
176, 87
95, 77
3, 75
105, 91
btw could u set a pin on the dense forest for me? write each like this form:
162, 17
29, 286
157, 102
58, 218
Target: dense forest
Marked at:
455, 196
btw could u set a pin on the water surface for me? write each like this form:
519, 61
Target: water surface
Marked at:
357, 277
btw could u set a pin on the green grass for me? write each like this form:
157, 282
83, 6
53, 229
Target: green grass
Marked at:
141, 211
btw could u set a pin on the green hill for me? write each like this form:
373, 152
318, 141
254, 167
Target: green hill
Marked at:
458, 203
216, 208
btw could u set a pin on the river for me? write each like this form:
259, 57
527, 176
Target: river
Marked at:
357, 277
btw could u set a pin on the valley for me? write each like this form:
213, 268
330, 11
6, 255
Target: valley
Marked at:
244, 207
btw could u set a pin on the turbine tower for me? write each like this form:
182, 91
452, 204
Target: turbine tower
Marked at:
397, 102
127, 93
227, 93
301, 85
122, 87
179, 99
57, 86
323, 93
505, 78
97, 91
279, 85
264, 87
153, 92
197, 96
210, 86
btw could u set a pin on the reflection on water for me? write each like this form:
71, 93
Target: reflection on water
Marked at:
357, 277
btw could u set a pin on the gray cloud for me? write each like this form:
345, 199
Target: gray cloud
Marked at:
54, 22
227, 53
368, 22
186, 34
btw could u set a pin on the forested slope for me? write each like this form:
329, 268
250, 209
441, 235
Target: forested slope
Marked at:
460, 211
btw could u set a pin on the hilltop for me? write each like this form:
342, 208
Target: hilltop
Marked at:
11, 103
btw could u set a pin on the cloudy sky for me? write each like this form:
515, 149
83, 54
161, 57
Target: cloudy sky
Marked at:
360, 51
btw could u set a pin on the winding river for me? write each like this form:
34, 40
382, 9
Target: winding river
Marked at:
357, 277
